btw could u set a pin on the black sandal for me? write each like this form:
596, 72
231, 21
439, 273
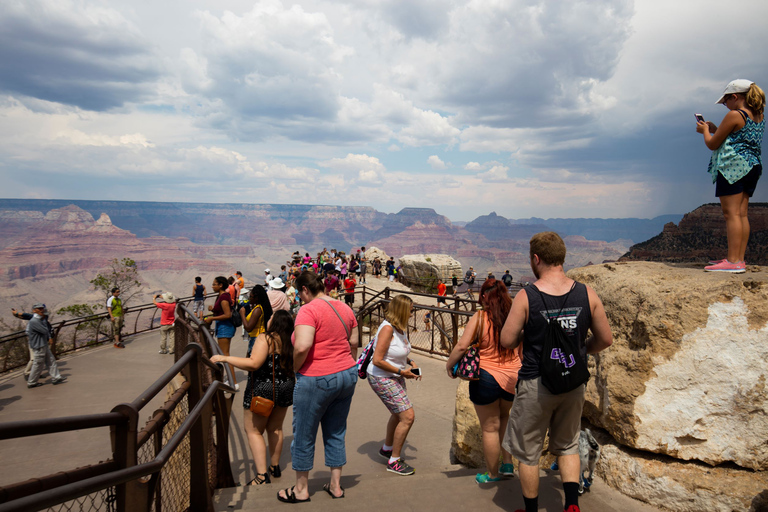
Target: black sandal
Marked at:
327, 488
290, 496
275, 471
260, 481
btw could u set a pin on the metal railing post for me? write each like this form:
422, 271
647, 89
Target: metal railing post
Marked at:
131, 496
199, 492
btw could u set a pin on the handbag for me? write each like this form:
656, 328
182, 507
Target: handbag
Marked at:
468, 367
263, 406
365, 359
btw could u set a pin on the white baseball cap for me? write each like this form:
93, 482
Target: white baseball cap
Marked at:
737, 86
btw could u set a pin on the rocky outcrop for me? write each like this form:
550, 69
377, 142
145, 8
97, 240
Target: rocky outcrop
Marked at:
686, 375
680, 486
372, 253
700, 236
429, 269
681, 394
467, 436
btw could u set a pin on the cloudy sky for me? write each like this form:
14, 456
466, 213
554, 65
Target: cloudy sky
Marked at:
523, 107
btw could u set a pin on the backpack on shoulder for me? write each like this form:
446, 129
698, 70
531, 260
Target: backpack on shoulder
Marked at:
365, 359
562, 367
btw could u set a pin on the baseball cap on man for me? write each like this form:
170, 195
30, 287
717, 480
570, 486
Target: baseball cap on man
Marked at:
39, 305
737, 86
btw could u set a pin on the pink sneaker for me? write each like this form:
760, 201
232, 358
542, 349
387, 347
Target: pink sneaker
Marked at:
715, 262
727, 266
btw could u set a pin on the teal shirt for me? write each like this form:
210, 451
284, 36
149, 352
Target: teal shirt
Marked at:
739, 152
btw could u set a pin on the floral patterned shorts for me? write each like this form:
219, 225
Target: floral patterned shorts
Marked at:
391, 391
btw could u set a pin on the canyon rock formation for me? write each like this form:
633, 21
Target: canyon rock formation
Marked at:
700, 237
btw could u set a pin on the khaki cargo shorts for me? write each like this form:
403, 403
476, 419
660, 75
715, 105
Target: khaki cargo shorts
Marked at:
117, 324
534, 411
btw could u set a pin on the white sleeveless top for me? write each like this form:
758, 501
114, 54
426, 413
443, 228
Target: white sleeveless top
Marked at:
397, 355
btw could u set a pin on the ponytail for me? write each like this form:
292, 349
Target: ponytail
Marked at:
755, 99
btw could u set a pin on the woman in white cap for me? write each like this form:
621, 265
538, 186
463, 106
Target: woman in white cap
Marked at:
735, 165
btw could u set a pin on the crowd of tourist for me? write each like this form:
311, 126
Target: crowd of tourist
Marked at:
302, 353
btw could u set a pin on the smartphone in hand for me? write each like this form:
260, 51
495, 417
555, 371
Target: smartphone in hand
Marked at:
416, 371
699, 118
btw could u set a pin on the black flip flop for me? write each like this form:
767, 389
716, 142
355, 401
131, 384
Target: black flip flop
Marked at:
290, 496
327, 488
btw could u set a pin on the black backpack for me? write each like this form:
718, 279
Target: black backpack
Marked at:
237, 320
562, 367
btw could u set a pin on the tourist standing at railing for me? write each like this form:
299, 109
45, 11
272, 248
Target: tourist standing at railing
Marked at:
363, 265
376, 268
116, 313
222, 315
255, 314
239, 284
271, 376
324, 358
349, 287
387, 375
507, 279
493, 393
167, 306
441, 291
40, 339
198, 304
29, 316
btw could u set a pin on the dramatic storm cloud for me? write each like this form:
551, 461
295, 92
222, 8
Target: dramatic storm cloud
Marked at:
525, 107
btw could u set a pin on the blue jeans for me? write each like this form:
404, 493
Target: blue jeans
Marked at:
322, 401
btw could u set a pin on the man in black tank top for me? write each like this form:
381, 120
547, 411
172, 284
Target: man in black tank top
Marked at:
553, 297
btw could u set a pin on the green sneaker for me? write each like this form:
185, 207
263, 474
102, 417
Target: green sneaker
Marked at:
507, 470
484, 478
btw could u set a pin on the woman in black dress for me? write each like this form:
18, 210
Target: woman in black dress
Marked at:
270, 348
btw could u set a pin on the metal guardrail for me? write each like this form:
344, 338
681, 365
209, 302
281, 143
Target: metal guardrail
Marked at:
173, 463
84, 332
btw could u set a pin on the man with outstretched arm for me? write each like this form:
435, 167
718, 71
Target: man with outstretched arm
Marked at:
578, 309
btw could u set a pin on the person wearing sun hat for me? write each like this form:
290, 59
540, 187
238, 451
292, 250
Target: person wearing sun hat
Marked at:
736, 164
166, 302
39, 342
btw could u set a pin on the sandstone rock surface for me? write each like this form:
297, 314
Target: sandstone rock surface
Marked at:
680, 486
686, 375
429, 269
372, 253
467, 437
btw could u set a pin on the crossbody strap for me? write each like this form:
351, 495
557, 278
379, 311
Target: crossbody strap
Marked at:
346, 329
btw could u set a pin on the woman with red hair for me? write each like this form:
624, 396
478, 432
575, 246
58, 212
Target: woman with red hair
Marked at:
493, 393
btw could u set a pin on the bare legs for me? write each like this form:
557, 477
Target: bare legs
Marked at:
398, 427
570, 466
255, 426
224, 346
736, 224
493, 421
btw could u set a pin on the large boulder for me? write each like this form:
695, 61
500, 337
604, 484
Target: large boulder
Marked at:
428, 269
374, 252
686, 375
467, 437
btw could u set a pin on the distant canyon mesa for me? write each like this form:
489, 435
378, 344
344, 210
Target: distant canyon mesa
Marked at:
50, 249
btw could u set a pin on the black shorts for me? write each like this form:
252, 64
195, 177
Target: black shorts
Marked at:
486, 390
441, 300
747, 184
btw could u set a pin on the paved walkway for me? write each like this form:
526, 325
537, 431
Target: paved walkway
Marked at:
99, 379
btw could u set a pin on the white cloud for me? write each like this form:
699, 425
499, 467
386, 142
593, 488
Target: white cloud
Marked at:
472, 166
496, 174
435, 163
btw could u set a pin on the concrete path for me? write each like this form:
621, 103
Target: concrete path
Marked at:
436, 485
97, 380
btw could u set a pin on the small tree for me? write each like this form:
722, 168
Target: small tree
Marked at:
121, 274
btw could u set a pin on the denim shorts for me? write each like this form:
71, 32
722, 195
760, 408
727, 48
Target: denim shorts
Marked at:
321, 401
486, 390
224, 329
